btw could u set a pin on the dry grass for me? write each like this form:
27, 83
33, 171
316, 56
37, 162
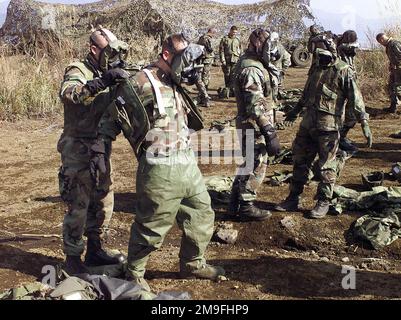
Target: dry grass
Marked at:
31, 79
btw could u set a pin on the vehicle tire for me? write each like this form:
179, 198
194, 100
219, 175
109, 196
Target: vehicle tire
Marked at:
301, 57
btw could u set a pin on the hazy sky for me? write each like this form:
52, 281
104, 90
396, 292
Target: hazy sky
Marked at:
335, 15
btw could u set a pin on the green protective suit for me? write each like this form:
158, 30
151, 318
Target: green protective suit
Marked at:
255, 110
393, 51
85, 174
326, 94
169, 184
230, 52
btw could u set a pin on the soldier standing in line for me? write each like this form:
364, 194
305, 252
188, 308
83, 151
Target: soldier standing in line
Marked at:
208, 58
230, 51
281, 59
255, 125
393, 51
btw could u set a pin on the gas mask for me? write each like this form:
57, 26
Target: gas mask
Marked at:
263, 51
114, 54
349, 48
185, 66
324, 57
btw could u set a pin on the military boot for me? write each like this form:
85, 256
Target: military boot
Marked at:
392, 108
321, 209
233, 207
290, 204
248, 212
207, 271
346, 144
73, 266
96, 256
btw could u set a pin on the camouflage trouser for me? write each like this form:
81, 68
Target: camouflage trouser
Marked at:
170, 189
206, 74
228, 71
85, 181
251, 174
394, 87
309, 143
203, 95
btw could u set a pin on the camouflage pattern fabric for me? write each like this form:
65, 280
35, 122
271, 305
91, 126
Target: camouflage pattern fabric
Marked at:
219, 188
230, 52
208, 59
393, 50
379, 229
255, 109
168, 132
309, 143
85, 179
394, 87
326, 93
282, 61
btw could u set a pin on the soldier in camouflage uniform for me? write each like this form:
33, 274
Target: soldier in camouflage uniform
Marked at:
281, 59
155, 114
230, 51
347, 47
203, 82
85, 181
255, 125
393, 50
328, 88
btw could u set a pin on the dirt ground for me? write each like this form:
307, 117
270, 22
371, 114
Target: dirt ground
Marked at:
267, 262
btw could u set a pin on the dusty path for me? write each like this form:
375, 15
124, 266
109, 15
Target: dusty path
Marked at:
267, 262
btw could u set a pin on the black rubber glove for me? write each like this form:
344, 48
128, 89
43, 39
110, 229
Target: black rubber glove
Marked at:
272, 141
108, 79
292, 116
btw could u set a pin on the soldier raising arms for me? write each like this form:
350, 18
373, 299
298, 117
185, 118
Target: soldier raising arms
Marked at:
84, 184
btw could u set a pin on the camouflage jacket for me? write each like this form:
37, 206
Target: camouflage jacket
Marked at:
281, 58
82, 111
206, 41
393, 51
253, 92
230, 50
157, 127
326, 94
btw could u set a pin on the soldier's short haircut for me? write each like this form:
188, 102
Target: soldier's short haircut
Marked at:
234, 28
170, 43
380, 36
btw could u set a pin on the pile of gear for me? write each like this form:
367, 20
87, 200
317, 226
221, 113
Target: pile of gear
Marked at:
89, 287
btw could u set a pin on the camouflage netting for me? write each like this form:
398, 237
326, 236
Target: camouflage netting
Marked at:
144, 23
